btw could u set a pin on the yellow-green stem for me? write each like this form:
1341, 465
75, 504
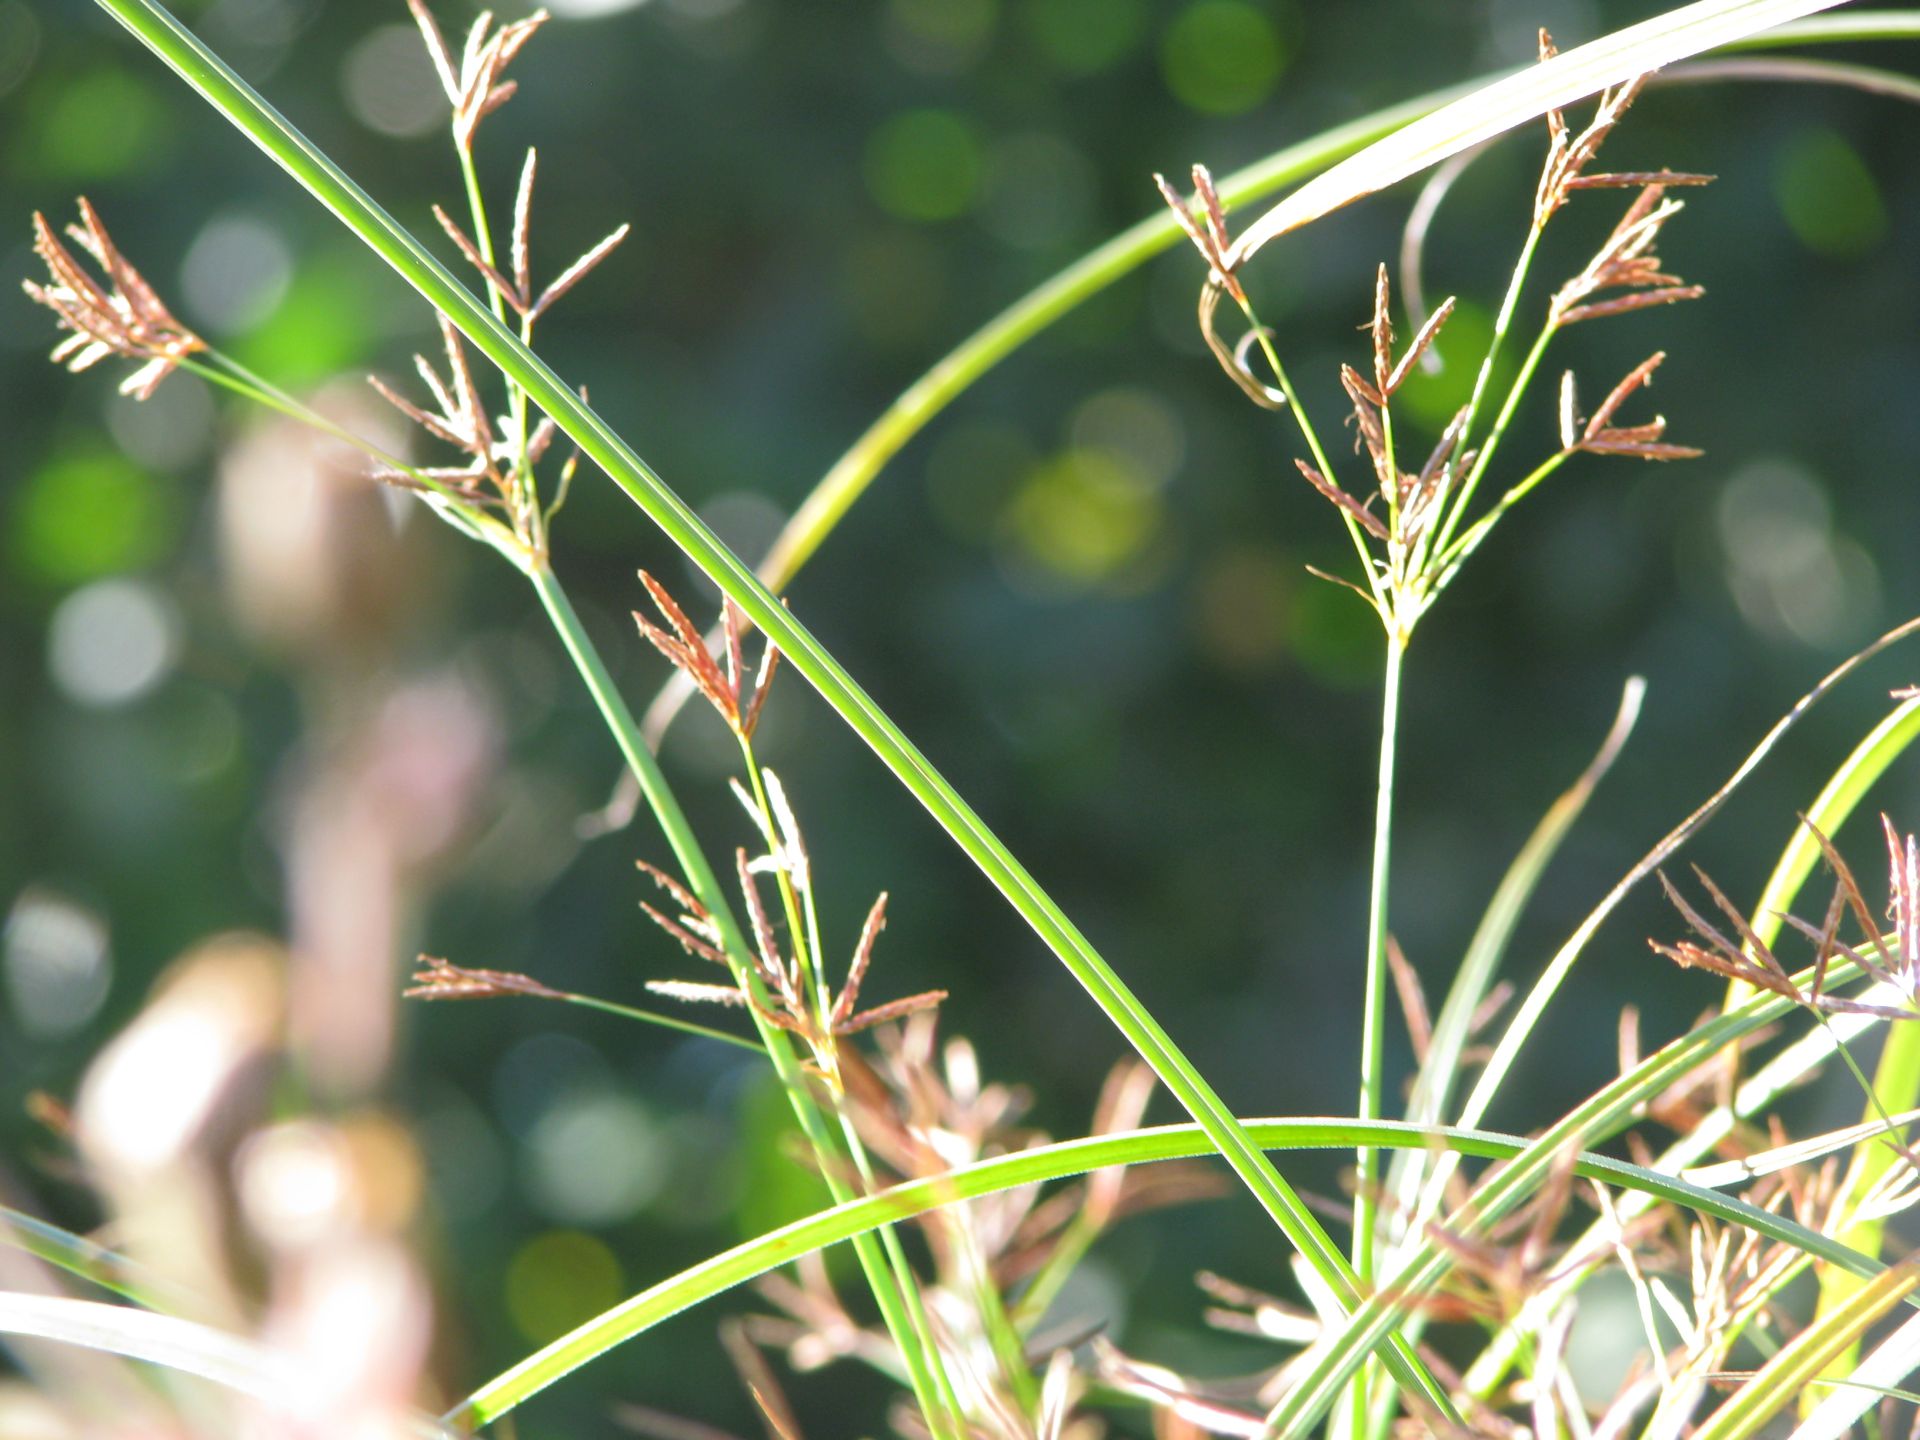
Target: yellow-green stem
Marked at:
1374, 1010
922, 1367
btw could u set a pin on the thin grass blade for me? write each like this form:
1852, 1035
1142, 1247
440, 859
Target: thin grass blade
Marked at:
191, 1348
78, 1256
1492, 110
1864, 1386
1051, 1162
1802, 1359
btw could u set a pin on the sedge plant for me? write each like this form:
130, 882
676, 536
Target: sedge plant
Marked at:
1499, 1256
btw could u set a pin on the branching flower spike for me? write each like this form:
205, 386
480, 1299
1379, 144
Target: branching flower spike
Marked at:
1626, 260
738, 701
476, 90
1600, 436
438, 979
124, 317
518, 291
1752, 962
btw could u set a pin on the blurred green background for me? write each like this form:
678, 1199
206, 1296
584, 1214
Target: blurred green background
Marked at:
1081, 590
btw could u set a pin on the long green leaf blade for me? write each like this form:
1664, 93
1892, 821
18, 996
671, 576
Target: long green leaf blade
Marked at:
1057, 1161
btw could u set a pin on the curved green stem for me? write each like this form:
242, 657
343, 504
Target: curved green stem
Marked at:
1050, 1162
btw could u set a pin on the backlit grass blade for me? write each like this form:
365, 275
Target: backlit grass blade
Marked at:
183, 1345
1802, 1358
187, 1347
1863, 1386
77, 1256
1057, 1161
237, 102
1494, 109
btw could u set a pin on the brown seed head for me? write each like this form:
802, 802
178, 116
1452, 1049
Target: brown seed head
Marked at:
122, 317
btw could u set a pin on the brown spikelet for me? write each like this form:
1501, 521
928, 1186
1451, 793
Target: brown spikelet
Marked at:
1421, 341
1381, 328
124, 317
1626, 260
438, 979
1368, 521
576, 272
684, 646
1209, 234
1601, 437
475, 89
862, 957
508, 291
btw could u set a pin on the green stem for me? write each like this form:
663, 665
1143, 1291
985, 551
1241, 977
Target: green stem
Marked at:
913, 1303
1457, 554
1374, 1007
654, 1017
922, 1367
1374, 1011
1501, 325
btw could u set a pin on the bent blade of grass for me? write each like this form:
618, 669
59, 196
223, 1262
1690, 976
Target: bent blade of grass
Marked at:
1792, 70
1801, 1359
242, 107
1057, 1161
1494, 109
1855, 25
